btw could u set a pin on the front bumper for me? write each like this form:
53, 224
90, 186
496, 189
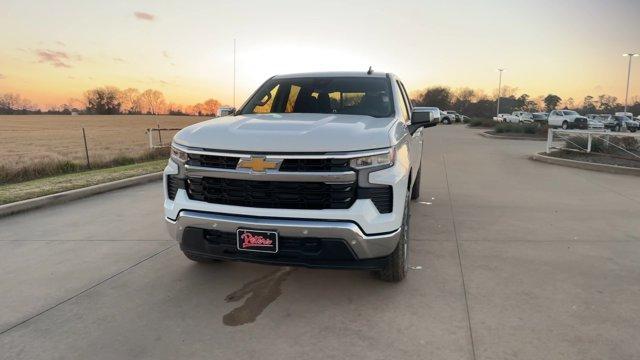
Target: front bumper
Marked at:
366, 251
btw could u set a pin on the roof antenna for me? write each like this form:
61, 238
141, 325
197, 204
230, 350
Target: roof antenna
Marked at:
370, 71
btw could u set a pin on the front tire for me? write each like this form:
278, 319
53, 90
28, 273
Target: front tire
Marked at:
565, 125
397, 265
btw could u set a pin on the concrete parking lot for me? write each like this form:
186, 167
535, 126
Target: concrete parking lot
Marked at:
513, 259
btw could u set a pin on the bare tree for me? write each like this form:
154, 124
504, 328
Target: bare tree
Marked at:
506, 91
10, 101
103, 101
129, 101
211, 106
152, 102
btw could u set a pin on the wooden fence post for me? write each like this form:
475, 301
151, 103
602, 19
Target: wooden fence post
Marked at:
159, 135
86, 149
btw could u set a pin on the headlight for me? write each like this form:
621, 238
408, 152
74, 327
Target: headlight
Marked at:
379, 160
179, 155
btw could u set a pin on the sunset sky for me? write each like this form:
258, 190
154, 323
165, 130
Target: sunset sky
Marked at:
53, 51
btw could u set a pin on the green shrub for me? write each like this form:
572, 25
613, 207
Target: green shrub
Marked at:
508, 128
627, 142
599, 145
581, 143
530, 129
477, 122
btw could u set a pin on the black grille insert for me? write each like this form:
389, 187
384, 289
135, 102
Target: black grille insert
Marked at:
311, 165
173, 184
272, 194
213, 161
382, 197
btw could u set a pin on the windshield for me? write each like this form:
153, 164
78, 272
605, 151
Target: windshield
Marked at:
369, 96
569, 112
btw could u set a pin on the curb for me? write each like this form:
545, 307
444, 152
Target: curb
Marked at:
612, 169
507, 137
59, 198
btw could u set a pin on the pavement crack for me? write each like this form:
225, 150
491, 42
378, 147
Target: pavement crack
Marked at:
455, 234
86, 290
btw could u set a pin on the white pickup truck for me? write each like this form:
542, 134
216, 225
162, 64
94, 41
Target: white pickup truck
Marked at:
314, 170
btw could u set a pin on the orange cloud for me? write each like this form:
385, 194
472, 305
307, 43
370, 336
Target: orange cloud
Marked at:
56, 58
144, 16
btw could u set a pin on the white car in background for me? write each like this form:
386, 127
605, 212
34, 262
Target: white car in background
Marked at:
502, 118
437, 113
453, 115
540, 118
595, 122
523, 117
225, 111
517, 117
627, 114
567, 119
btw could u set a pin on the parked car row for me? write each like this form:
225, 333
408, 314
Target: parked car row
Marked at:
442, 116
569, 119
615, 122
565, 119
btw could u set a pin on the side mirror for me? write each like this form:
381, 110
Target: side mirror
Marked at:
421, 119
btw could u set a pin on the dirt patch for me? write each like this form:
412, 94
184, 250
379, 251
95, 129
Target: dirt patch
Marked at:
597, 158
29, 139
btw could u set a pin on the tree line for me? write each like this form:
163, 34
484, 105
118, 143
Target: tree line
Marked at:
110, 100
475, 103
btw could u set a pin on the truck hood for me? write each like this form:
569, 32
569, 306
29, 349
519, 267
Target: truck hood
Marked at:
288, 133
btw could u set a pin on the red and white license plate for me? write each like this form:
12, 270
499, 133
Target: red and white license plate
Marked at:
256, 240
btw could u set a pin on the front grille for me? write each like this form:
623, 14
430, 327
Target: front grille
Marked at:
310, 165
213, 161
288, 165
272, 194
382, 197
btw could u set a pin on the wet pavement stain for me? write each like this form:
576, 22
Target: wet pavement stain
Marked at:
263, 290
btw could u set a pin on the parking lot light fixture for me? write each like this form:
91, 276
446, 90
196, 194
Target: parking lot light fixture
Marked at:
626, 96
499, 90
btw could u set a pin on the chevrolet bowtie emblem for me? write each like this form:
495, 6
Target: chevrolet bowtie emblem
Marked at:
258, 164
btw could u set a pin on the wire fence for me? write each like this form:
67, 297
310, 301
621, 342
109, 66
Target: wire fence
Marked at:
619, 145
160, 143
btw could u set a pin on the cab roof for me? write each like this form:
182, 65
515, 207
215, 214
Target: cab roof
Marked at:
333, 74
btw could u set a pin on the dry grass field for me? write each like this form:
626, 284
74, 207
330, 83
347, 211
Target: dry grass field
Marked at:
27, 140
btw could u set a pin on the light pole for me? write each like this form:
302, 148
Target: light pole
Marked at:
234, 73
499, 91
626, 96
